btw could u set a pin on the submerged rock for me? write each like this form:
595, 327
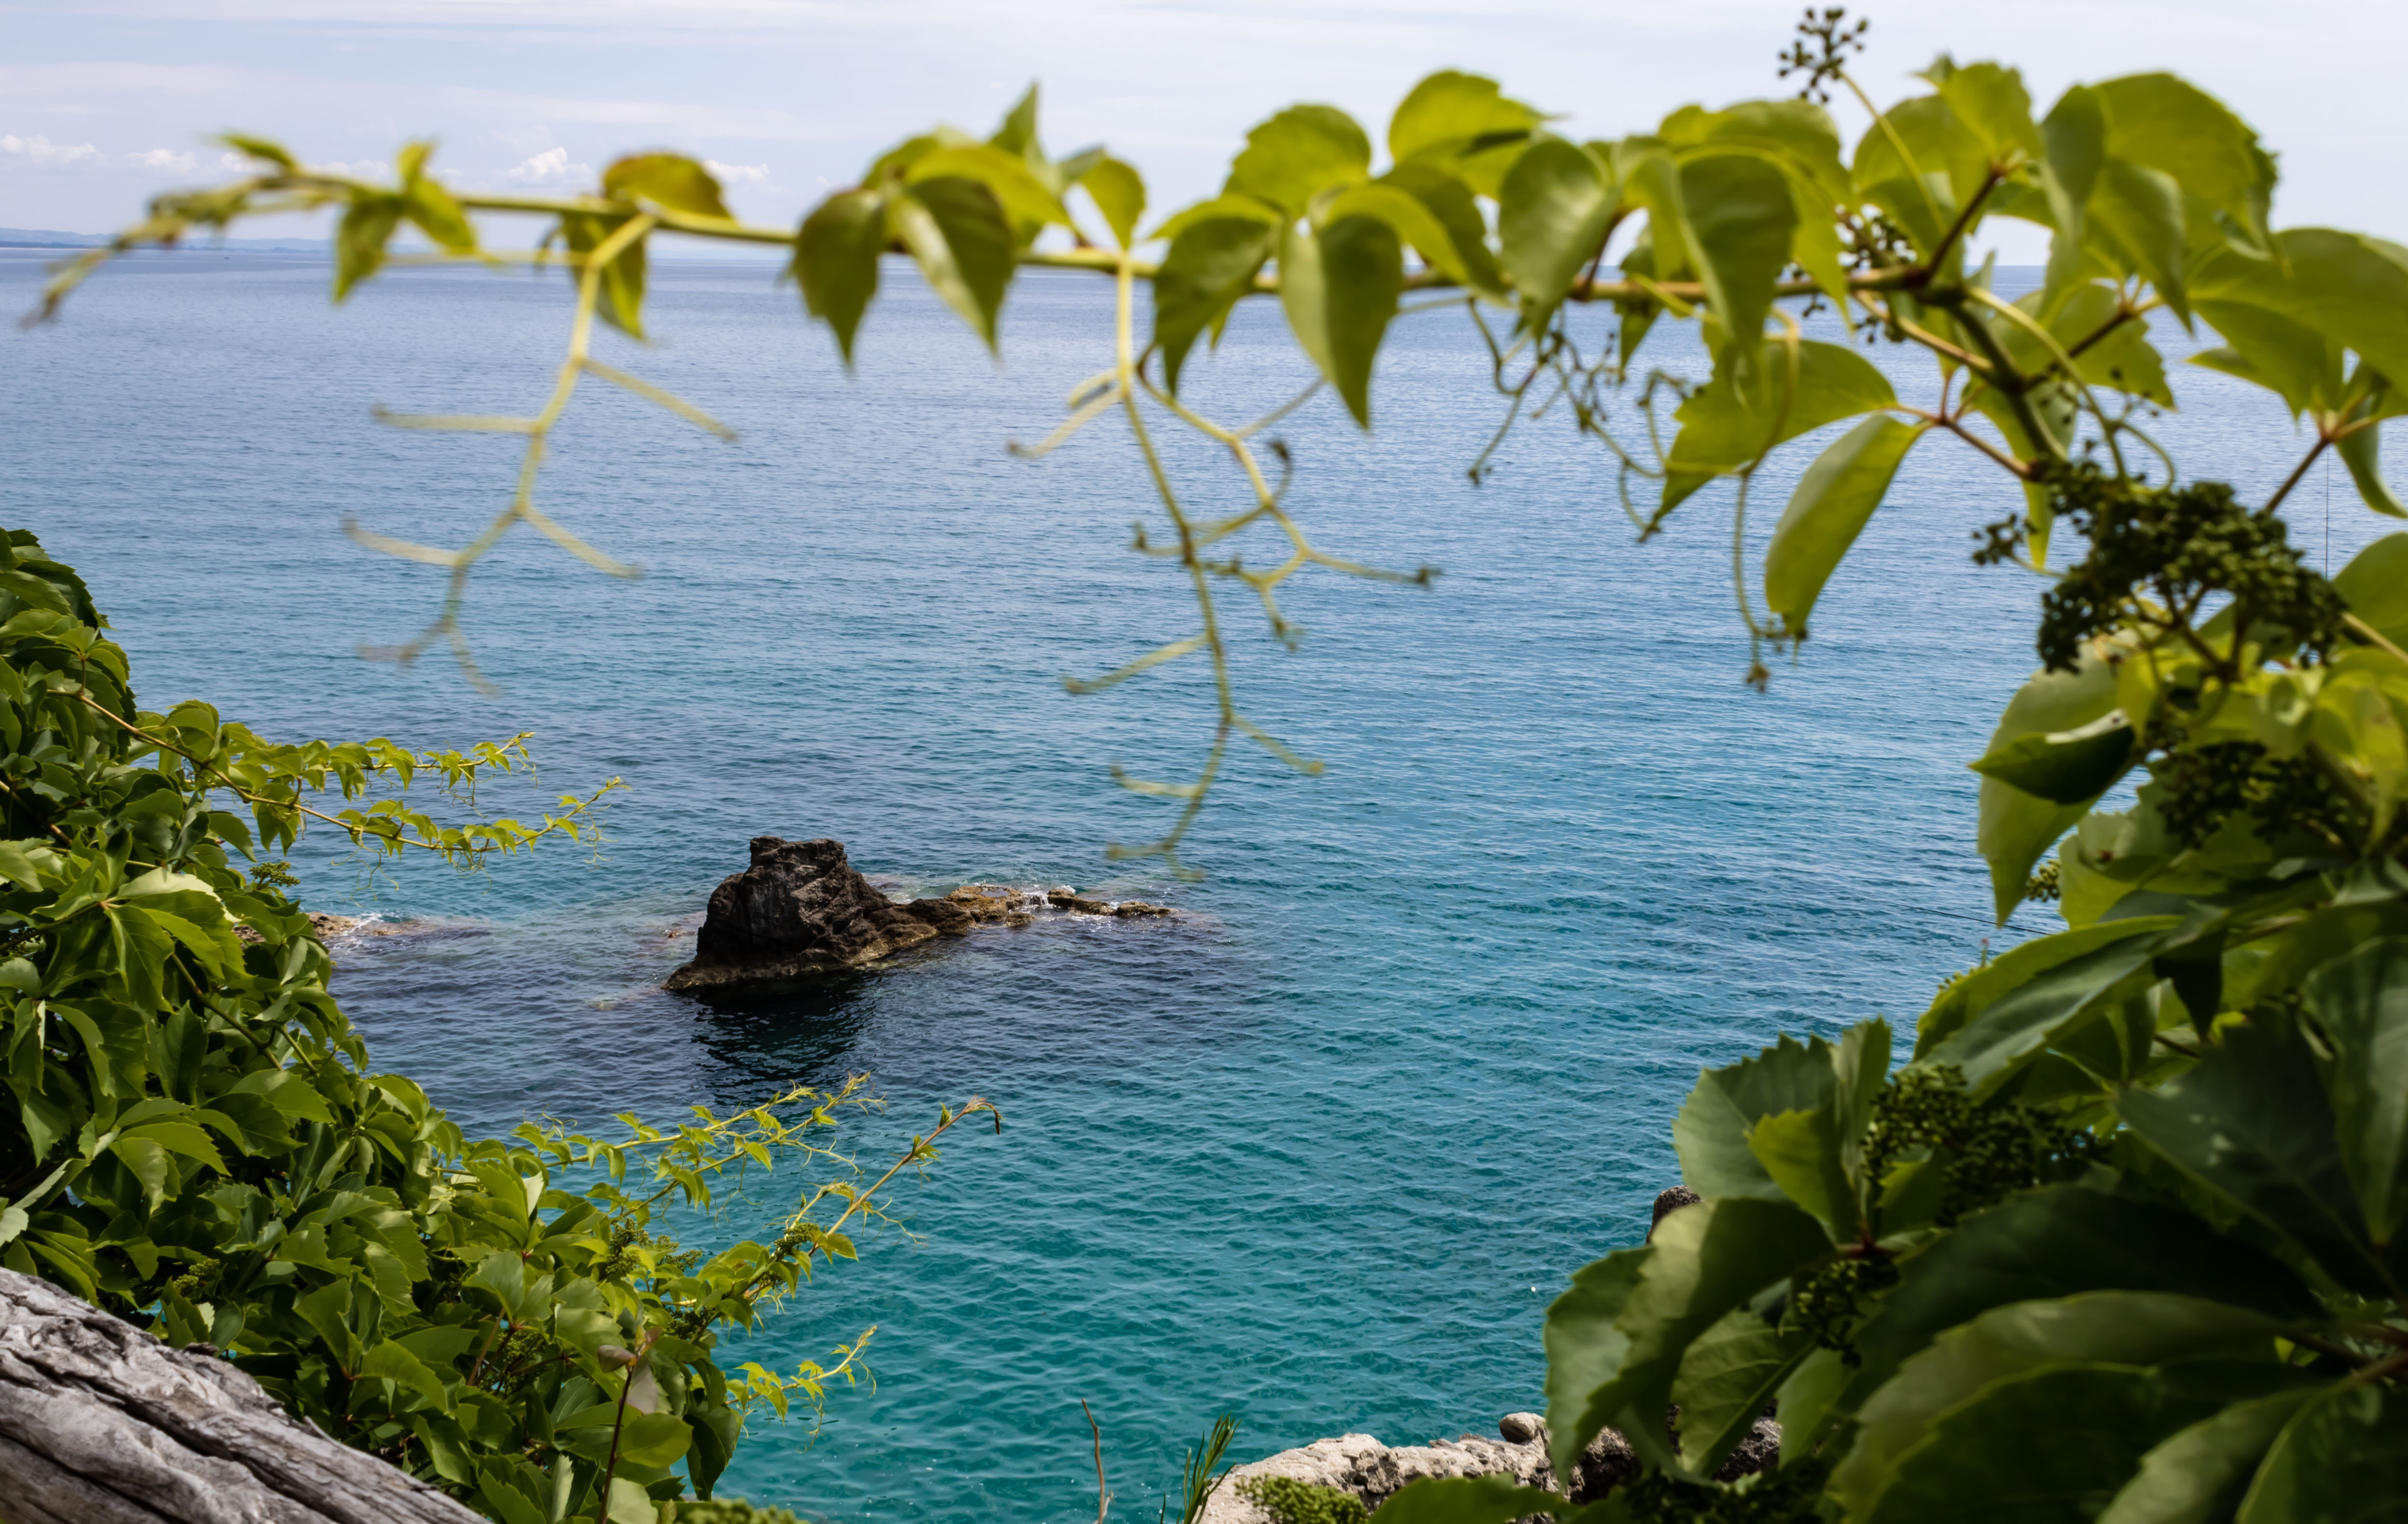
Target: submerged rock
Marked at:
800, 909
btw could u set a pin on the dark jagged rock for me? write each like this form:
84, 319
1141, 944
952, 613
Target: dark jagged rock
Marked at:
1128, 909
1669, 1202
1063, 899
800, 909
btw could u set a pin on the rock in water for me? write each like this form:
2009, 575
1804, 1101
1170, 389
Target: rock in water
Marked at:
800, 909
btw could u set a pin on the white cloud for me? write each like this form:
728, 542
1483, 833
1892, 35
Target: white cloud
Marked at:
167, 163
550, 167
738, 174
39, 153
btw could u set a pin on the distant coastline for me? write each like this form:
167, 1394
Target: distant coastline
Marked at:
53, 238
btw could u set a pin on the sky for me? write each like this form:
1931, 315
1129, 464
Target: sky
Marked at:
104, 102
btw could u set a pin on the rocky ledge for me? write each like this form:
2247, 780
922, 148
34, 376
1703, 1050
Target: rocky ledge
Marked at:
801, 909
1373, 1471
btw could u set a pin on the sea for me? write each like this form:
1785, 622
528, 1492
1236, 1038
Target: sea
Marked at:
1317, 1151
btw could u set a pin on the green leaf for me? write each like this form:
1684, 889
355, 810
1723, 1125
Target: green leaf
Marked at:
1449, 202
1728, 1377
1016, 134
1798, 134
1799, 1150
2347, 287
2054, 1243
2122, 1328
146, 1158
1464, 123
2055, 1002
397, 1364
361, 236
1211, 264
2171, 125
2075, 139
2140, 211
2362, 453
2197, 1475
2060, 1442
1740, 218
1990, 99
2251, 1124
259, 148
2362, 1003
288, 1092
178, 1138
2344, 1458
1119, 193
1708, 1259
1301, 151
1029, 203
954, 228
1406, 215
1552, 214
327, 1309
2375, 584
1467, 1500
2269, 350
2066, 767
26, 863
1243, 208
1737, 419
653, 1439
1364, 264
508, 1501
1340, 287
504, 1274
1585, 1345
1834, 499
2017, 828
671, 181
630, 1503
836, 261
620, 300
429, 206
1711, 1133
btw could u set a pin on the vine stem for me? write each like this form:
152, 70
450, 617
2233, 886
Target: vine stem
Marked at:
617, 1422
1124, 367
2324, 438
1103, 1493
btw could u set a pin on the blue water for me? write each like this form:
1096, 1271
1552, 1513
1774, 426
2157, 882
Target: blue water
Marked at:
1318, 1153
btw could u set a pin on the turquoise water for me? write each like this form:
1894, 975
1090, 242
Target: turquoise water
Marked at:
1319, 1152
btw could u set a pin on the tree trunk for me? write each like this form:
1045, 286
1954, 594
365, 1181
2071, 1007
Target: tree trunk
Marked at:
101, 1423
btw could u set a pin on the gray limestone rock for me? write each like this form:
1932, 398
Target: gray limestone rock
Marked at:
1373, 1471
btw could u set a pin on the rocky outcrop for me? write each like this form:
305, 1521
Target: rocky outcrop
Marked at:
800, 910
1373, 1471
